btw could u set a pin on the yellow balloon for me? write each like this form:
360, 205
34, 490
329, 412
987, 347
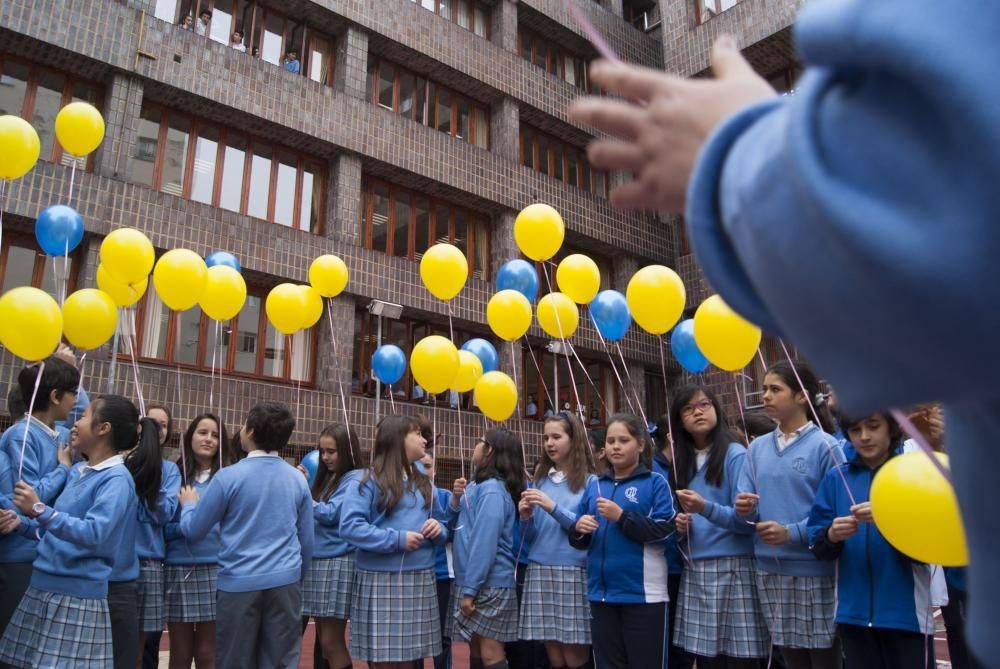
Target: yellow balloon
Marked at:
496, 395
286, 308
30, 323
225, 293
579, 278
444, 269
723, 336
179, 278
123, 294
314, 306
470, 368
509, 314
539, 231
19, 147
128, 255
908, 496
434, 363
558, 316
328, 275
656, 298
79, 128
90, 318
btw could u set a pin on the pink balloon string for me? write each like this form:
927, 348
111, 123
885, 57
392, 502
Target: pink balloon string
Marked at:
635, 391
910, 429
565, 347
534, 361
591, 32
31, 410
177, 387
130, 342
355, 453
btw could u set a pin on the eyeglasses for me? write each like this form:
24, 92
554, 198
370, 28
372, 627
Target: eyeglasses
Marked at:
690, 409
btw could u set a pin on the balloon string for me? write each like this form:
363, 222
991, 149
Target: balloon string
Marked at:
177, 388
211, 383
340, 384
760, 356
592, 33
3, 205
632, 384
586, 375
621, 384
666, 399
218, 344
910, 429
392, 400
565, 350
31, 410
290, 339
812, 407
531, 354
739, 405
130, 342
72, 178
524, 453
461, 432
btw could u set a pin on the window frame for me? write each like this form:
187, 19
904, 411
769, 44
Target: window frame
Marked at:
453, 14
26, 241
582, 167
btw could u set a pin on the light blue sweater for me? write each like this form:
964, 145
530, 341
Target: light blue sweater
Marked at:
548, 533
264, 512
182, 551
329, 543
717, 532
149, 541
787, 481
484, 538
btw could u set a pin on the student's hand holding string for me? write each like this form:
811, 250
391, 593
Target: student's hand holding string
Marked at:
431, 529
863, 512
188, 495
682, 521
538, 498
457, 490
663, 123
467, 605
65, 455
524, 508
9, 521
609, 509
746, 503
413, 541
773, 533
842, 528
25, 497
587, 524
303, 471
691, 501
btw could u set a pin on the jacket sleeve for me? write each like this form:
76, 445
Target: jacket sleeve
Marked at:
357, 522
720, 514
821, 515
93, 530
486, 530
588, 505
746, 482
659, 523
170, 488
197, 519
304, 525
51, 485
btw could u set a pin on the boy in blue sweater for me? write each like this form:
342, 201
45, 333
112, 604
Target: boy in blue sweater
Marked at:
265, 517
841, 186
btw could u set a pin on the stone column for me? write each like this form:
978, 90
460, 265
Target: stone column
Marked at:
343, 209
352, 62
504, 29
121, 117
505, 129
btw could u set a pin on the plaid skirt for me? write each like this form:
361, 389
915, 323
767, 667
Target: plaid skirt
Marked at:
394, 616
190, 592
328, 586
554, 606
799, 610
53, 630
150, 591
718, 612
495, 616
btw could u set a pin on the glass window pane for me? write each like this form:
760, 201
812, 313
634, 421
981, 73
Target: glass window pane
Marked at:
260, 181
312, 197
479, 21
600, 183
569, 73
464, 18
527, 147
386, 81
442, 224
585, 175
421, 101
302, 355
234, 159
462, 132
218, 348
145, 149
380, 217
526, 42
19, 268
48, 102
406, 93
543, 154
401, 226
274, 353
320, 57
358, 358
175, 158
223, 21
86, 93
443, 110
571, 166
166, 10
246, 336
422, 239
480, 127
427, 4
154, 329
284, 195
555, 58
539, 57
272, 33
481, 245
13, 84
461, 239
557, 160
186, 350
206, 153
444, 8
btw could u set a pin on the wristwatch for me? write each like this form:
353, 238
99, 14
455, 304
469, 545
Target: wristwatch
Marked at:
37, 509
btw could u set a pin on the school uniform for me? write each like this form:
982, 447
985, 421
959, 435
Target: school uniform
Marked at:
264, 512
884, 608
626, 569
394, 610
62, 620
719, 613
444, 573
796, 590
329, 582
123, 594
555, 605
191, 568
151, 548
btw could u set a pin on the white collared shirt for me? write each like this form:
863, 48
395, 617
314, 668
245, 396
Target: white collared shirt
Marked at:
262, 454
110, 462
557, 476
51, 431
203, 475
700, 456
784, 440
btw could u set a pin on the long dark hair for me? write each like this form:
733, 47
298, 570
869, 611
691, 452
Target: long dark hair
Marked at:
170, 420
391, 469
639, 432
191, 470
504, 462
126, 429
581, 459
684, 447
347, 446
811, 389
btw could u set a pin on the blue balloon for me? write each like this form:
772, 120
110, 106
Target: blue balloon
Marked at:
685, 348
59, 230
389, 363
311, 463
519, 275
223, 258
610, 314
483, 350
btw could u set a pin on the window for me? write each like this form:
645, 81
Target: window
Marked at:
405, 223
22, 264
544, 371
560, 160
200, 161
36, 94
408, 94
248, 345
707, 9
469, 14
552, 58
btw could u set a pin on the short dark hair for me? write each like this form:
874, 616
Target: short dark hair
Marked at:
291, 51
238, 32
847, 422
58, 375
758, 424
15, 404
205, 11
272, 425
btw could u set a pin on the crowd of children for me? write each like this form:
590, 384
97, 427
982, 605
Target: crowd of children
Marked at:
689, 549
